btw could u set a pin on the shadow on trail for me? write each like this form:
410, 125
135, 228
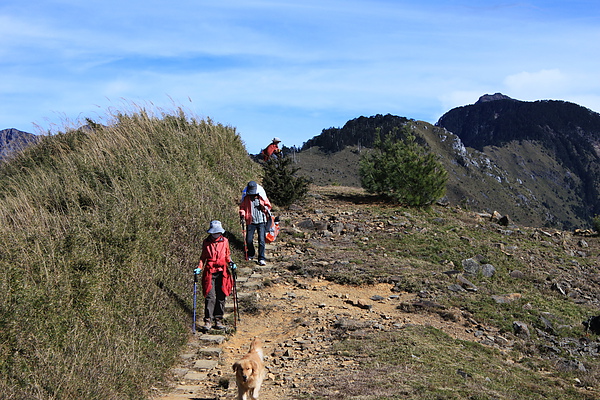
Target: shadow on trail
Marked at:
356, 198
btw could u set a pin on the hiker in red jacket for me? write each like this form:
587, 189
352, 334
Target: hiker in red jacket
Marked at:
254, 213
217, 281
272, 149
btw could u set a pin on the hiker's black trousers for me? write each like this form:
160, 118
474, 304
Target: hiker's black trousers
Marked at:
214, 303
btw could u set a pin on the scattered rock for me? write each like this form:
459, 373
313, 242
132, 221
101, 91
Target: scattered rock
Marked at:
521, 329
495, 217
456, 288
471, 266
348, 324
320, 225
506, 298
488, 270
546, 324
570, 365
205, 364
517, 274
592, 324
504, 221
360, 303
419, 306
336, 227
463, 374
466, 284
195, 376
307, 224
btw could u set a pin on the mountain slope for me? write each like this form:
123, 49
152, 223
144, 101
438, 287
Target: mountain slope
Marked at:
12, 140
101, 229
565, 132
363, 300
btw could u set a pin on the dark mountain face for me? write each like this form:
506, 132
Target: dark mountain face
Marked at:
497, 122
12, 140
568, 132
357, 132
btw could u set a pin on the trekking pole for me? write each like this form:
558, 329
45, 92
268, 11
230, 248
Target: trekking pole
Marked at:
244, 238
236, 311
196, 273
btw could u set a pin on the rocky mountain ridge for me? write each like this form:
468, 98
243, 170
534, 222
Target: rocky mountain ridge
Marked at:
566, 132
538, 162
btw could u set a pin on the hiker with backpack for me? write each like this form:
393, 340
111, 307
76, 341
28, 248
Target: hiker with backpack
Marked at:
255, 212
272, 150
217, 279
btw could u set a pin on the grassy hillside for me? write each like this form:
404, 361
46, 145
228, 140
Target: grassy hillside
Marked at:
100, 230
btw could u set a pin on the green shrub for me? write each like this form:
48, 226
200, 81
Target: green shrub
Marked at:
596, 223
281, 183
403, 171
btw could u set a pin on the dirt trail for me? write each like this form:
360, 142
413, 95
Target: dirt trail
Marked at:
297, 321
295, 329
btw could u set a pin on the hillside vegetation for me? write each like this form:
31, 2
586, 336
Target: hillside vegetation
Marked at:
101, 228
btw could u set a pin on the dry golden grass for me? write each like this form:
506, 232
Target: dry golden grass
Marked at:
101, 229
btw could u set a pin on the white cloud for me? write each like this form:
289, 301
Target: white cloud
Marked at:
535, 85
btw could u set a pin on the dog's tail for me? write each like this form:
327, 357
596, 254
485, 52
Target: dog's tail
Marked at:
256, 346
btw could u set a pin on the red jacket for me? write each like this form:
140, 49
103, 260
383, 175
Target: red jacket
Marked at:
215, 257
246, 208
268, 152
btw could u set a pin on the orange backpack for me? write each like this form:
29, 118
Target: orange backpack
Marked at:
272, 229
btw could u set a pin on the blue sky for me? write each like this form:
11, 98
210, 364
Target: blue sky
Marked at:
288, 68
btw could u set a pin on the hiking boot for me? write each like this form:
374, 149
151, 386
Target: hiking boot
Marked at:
219, 325
207, 327
262, 262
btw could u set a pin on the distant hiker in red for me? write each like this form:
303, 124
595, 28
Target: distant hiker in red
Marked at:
217, 281
272, 149
255, 211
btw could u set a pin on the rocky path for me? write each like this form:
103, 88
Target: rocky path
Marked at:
296, 328
299, 321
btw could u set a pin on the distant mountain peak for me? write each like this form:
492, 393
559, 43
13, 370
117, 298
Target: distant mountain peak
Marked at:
493, 97
12, 139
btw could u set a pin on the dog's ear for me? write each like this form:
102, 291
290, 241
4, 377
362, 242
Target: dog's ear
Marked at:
235, 366
254, 365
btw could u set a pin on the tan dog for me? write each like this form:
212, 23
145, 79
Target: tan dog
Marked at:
250, 372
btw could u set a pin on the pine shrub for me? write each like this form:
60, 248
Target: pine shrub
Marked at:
281, 183
403, 171
596, 223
